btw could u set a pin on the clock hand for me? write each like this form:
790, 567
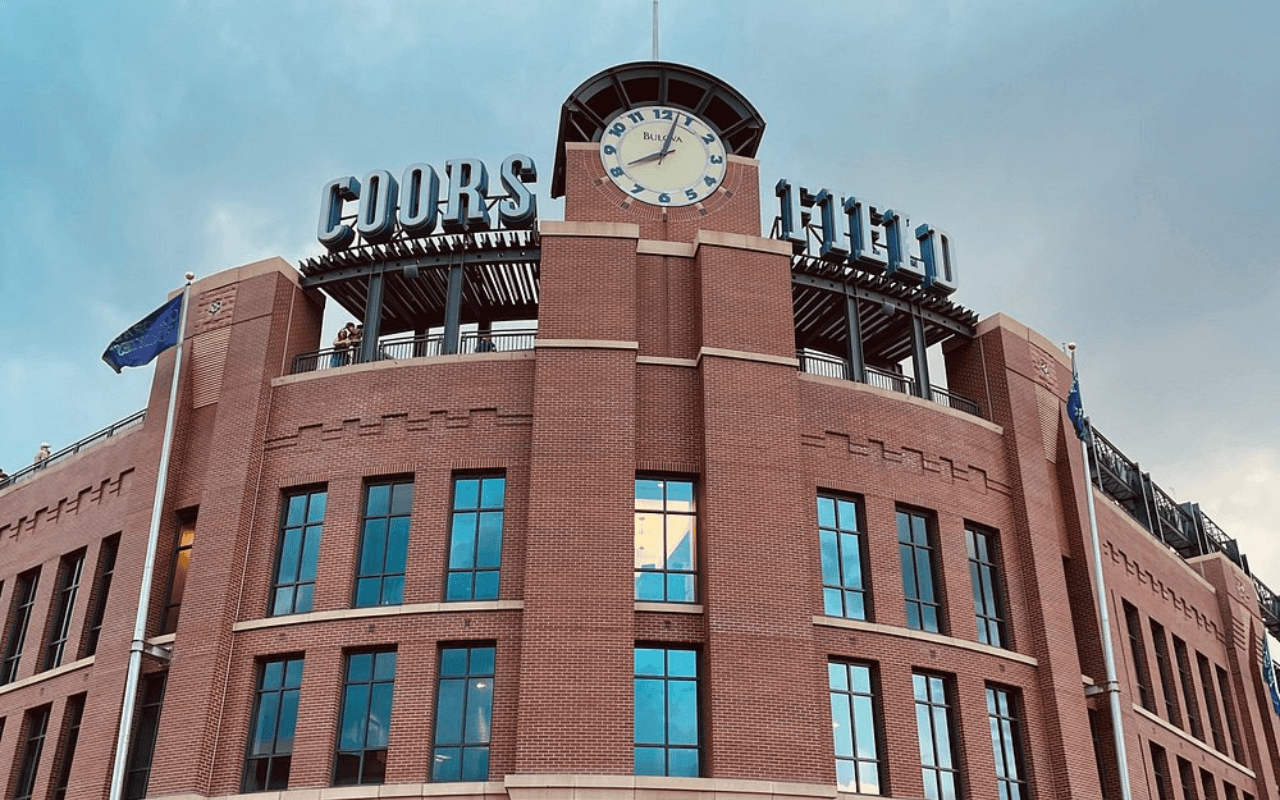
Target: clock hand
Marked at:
666, 144
646, 159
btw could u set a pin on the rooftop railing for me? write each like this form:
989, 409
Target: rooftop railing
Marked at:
829, 366
92, 440
1181, 526
407, 347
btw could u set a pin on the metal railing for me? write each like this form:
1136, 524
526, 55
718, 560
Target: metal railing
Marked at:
829, 366
93, 439
1181, 526
408, 347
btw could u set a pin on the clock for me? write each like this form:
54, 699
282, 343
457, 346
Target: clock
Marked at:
663, 156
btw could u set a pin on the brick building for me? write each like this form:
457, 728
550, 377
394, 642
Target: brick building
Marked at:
634, 504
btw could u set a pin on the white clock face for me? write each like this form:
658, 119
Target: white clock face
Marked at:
662, 156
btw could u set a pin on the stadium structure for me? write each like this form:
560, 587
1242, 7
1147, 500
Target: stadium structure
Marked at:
657, 501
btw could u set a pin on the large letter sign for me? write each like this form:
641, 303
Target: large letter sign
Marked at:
412, 206
867, 236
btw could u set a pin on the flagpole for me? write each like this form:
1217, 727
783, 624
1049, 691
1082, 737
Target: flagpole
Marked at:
138, 646
1112, 687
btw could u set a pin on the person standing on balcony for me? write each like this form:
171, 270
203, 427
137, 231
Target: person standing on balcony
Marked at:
342, 346
43, 453
485, 345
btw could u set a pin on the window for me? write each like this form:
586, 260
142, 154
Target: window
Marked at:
844, 590
71, 719
1211, 703
1172, 708
178, 574
464, 714
1188, 688
69, 570
384, 544
1187, 777
1160, 773
666, 712
301, 526
937, 748
924, 607
1138, 652
366, 719
855, 725
1229, 791
101, 591
24, 597
1006, 742
988, 603
146, 724
275, 717
1208, 784
666, 543
475, 538
1233, 724
34, 727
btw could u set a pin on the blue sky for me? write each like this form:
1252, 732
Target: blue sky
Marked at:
1108, 172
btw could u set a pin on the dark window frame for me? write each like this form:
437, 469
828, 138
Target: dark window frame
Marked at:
933, 693
680, 583
477, 680
1187, 777
1004, 713
376, 546
1187, 680
854, 697
918, 551
146, 728
35, 727
294, 593
671, 678
72, 717
843, 594
1138, 655
1211, 702
108, 551
464, 572
990, 610
370, 762
70, 569
1233, 721
268, 770
179, 572
1160, 772
1164, 667
19, 623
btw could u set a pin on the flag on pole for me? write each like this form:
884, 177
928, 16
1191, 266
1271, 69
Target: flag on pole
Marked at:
147, 338
1269, 674
1075, 406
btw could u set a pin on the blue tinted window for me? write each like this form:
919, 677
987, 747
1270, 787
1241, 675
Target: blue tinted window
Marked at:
384, 545
933, 728
855, 727
365, 726
475, 538
464, 714
666, 712
298, 553
270, 751
844, 591
924, 606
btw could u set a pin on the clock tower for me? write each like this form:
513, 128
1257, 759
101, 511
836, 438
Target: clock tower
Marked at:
664, 146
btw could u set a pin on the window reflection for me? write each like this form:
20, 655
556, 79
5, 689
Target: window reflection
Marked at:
666, 712
665, 540
464, 714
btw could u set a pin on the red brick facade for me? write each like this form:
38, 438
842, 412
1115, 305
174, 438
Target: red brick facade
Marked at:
665, 347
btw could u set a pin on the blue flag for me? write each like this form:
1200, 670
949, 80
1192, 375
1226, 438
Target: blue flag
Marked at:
1075, 406
1269, 674
147, 338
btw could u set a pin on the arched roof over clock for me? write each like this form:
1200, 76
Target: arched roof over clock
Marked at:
602, 96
